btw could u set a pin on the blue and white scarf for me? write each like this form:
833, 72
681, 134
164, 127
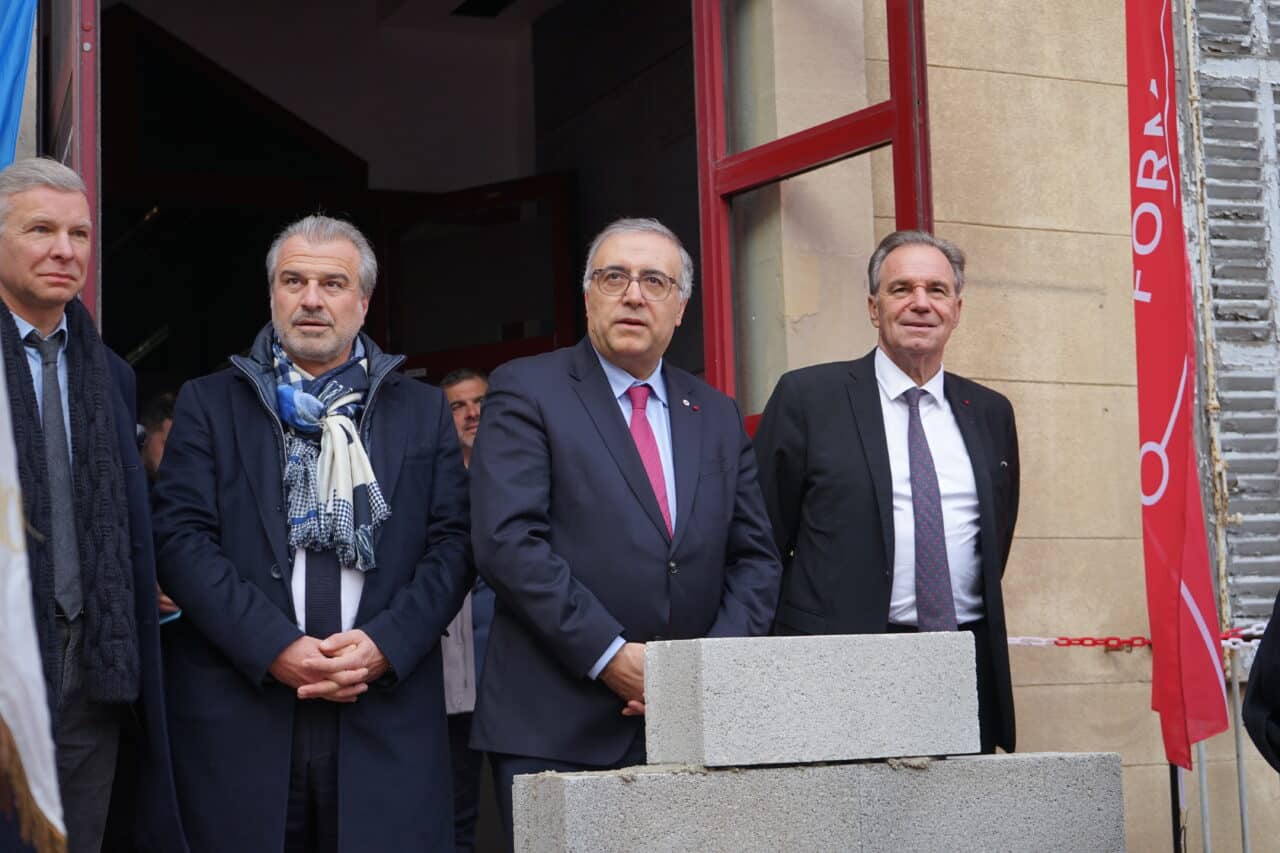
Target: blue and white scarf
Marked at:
334, 500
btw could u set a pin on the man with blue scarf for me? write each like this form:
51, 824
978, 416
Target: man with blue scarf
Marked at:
312, 522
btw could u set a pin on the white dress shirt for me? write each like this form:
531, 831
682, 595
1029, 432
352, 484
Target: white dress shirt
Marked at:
350, 587
956, 484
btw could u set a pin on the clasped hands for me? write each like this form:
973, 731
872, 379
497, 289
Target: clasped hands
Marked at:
624, 675
338, 668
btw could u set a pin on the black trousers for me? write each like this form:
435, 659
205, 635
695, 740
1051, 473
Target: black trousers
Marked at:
311, 822
87, 742
988, 702
468, 766
507, 767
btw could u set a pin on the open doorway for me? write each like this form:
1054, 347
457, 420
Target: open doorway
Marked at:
479, 145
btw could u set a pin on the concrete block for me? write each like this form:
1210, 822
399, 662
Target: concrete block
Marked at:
789, 700
1042, 802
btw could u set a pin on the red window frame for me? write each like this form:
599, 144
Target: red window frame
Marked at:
69, 110
901, 121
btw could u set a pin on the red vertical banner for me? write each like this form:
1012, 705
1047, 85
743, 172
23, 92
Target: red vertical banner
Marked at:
1187, 678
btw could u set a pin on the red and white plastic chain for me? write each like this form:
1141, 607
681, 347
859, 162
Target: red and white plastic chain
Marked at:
1246, 636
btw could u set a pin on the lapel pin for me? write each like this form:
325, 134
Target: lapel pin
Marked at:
966, 402
686, 402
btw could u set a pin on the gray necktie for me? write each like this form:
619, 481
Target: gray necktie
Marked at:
935, 606
57, 457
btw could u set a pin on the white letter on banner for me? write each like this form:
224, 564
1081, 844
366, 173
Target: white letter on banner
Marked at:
1150, 246
1153, 126
1139, 295
1152, 164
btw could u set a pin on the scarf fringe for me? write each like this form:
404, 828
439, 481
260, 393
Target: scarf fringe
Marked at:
34, 827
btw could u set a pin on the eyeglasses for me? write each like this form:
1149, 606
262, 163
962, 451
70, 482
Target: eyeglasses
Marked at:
613, 281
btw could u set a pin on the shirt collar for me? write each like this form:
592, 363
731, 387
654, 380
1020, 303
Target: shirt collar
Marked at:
25, 328
620, 380
893, 381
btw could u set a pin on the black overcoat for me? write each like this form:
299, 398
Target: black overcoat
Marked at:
222, 548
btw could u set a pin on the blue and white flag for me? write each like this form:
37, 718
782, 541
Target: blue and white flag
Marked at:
30, 808
17, 23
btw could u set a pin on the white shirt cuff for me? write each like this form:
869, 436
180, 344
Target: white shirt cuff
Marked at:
595, 671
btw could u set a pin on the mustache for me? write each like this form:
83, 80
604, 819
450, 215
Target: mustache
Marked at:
311, 316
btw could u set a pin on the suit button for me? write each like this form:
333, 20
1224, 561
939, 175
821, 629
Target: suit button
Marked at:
275, 572
672, 566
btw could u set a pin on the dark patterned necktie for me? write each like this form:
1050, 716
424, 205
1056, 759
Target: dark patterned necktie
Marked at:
935, 606
323, 596
57, 460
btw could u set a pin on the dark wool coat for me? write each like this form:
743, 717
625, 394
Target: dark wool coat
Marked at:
222, 546
157, 826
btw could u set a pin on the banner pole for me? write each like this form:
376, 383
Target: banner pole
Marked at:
1202, 777
1175, 805
1238, 724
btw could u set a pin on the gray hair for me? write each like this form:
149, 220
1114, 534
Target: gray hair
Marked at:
650, 226
898, 239
326, 229
32, 173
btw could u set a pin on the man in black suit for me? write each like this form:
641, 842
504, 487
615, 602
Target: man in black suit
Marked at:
1262, 698
614, 501
892, 485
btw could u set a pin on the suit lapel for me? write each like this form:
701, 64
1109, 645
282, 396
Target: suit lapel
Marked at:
686, 448
975, 443
864, 398
260, 454
597, 398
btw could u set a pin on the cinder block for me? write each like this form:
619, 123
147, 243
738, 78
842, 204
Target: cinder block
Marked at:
1044, 802
791, 700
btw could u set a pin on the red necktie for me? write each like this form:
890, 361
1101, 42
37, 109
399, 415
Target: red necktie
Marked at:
642, 434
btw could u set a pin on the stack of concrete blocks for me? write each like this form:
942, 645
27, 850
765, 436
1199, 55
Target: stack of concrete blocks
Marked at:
853, 743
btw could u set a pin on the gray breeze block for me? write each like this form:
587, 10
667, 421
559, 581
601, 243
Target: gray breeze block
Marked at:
1035, 802
791, 700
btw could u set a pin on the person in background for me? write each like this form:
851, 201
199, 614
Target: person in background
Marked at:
463, 647
156, 418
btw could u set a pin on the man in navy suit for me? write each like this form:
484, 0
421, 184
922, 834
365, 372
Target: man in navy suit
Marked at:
614, 501
892, 484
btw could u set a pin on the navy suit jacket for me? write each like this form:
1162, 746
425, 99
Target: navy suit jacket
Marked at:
567, 530
824, 470
224, 558
1262, 698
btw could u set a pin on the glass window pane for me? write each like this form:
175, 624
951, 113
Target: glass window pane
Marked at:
800, 252
794, 64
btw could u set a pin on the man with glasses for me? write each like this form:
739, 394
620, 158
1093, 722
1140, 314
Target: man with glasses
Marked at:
614, 501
